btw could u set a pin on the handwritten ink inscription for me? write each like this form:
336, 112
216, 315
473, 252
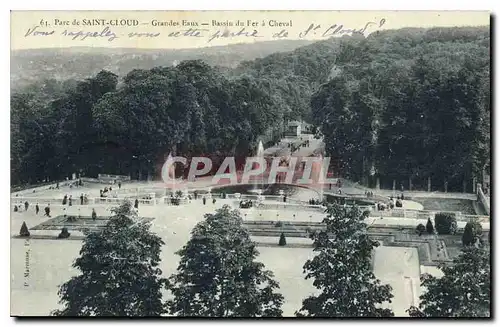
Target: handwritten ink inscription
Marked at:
230, 34
230, 30
192, 32
139, 35
36, 31
105, 33
338, 29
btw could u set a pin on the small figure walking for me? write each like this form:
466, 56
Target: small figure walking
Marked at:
26, 206
136, 204
204, 200
47, 210
94, 215
65, 200
119, 185
81, 199
213, 201
70, 201
37, 209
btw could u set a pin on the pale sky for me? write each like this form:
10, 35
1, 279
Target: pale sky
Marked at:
186, 29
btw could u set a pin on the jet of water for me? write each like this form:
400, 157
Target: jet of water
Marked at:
260, 154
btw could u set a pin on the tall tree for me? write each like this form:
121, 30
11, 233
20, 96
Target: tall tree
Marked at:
464, 290
218, 275
342, 270
72, 113
119, 271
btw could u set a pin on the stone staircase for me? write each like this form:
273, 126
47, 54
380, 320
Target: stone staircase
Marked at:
432, 249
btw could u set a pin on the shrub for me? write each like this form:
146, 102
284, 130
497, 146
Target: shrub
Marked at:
282, 241
429, 227
472, 233
24, 232
420, 229
468, 236
278, 224
399, 204
64, 233
446, 223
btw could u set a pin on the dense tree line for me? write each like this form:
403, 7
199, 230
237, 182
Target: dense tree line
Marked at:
129, 128
409, 105
399, 105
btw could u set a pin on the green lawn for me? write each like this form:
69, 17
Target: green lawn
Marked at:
464, 206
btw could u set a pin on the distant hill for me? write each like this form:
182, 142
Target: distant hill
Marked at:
31, 65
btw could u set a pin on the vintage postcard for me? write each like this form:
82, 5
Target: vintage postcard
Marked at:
250, 164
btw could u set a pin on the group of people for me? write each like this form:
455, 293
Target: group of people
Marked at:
76, 184
69, 200
19, 208
54, 187
245, 204
205, 200
338, 184
71, 184
314, 202
104, 193
398, 203
369, 194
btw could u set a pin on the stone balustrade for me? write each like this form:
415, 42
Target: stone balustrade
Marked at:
270, 202
483, 199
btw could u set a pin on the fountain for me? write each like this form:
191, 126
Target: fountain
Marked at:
260, 154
